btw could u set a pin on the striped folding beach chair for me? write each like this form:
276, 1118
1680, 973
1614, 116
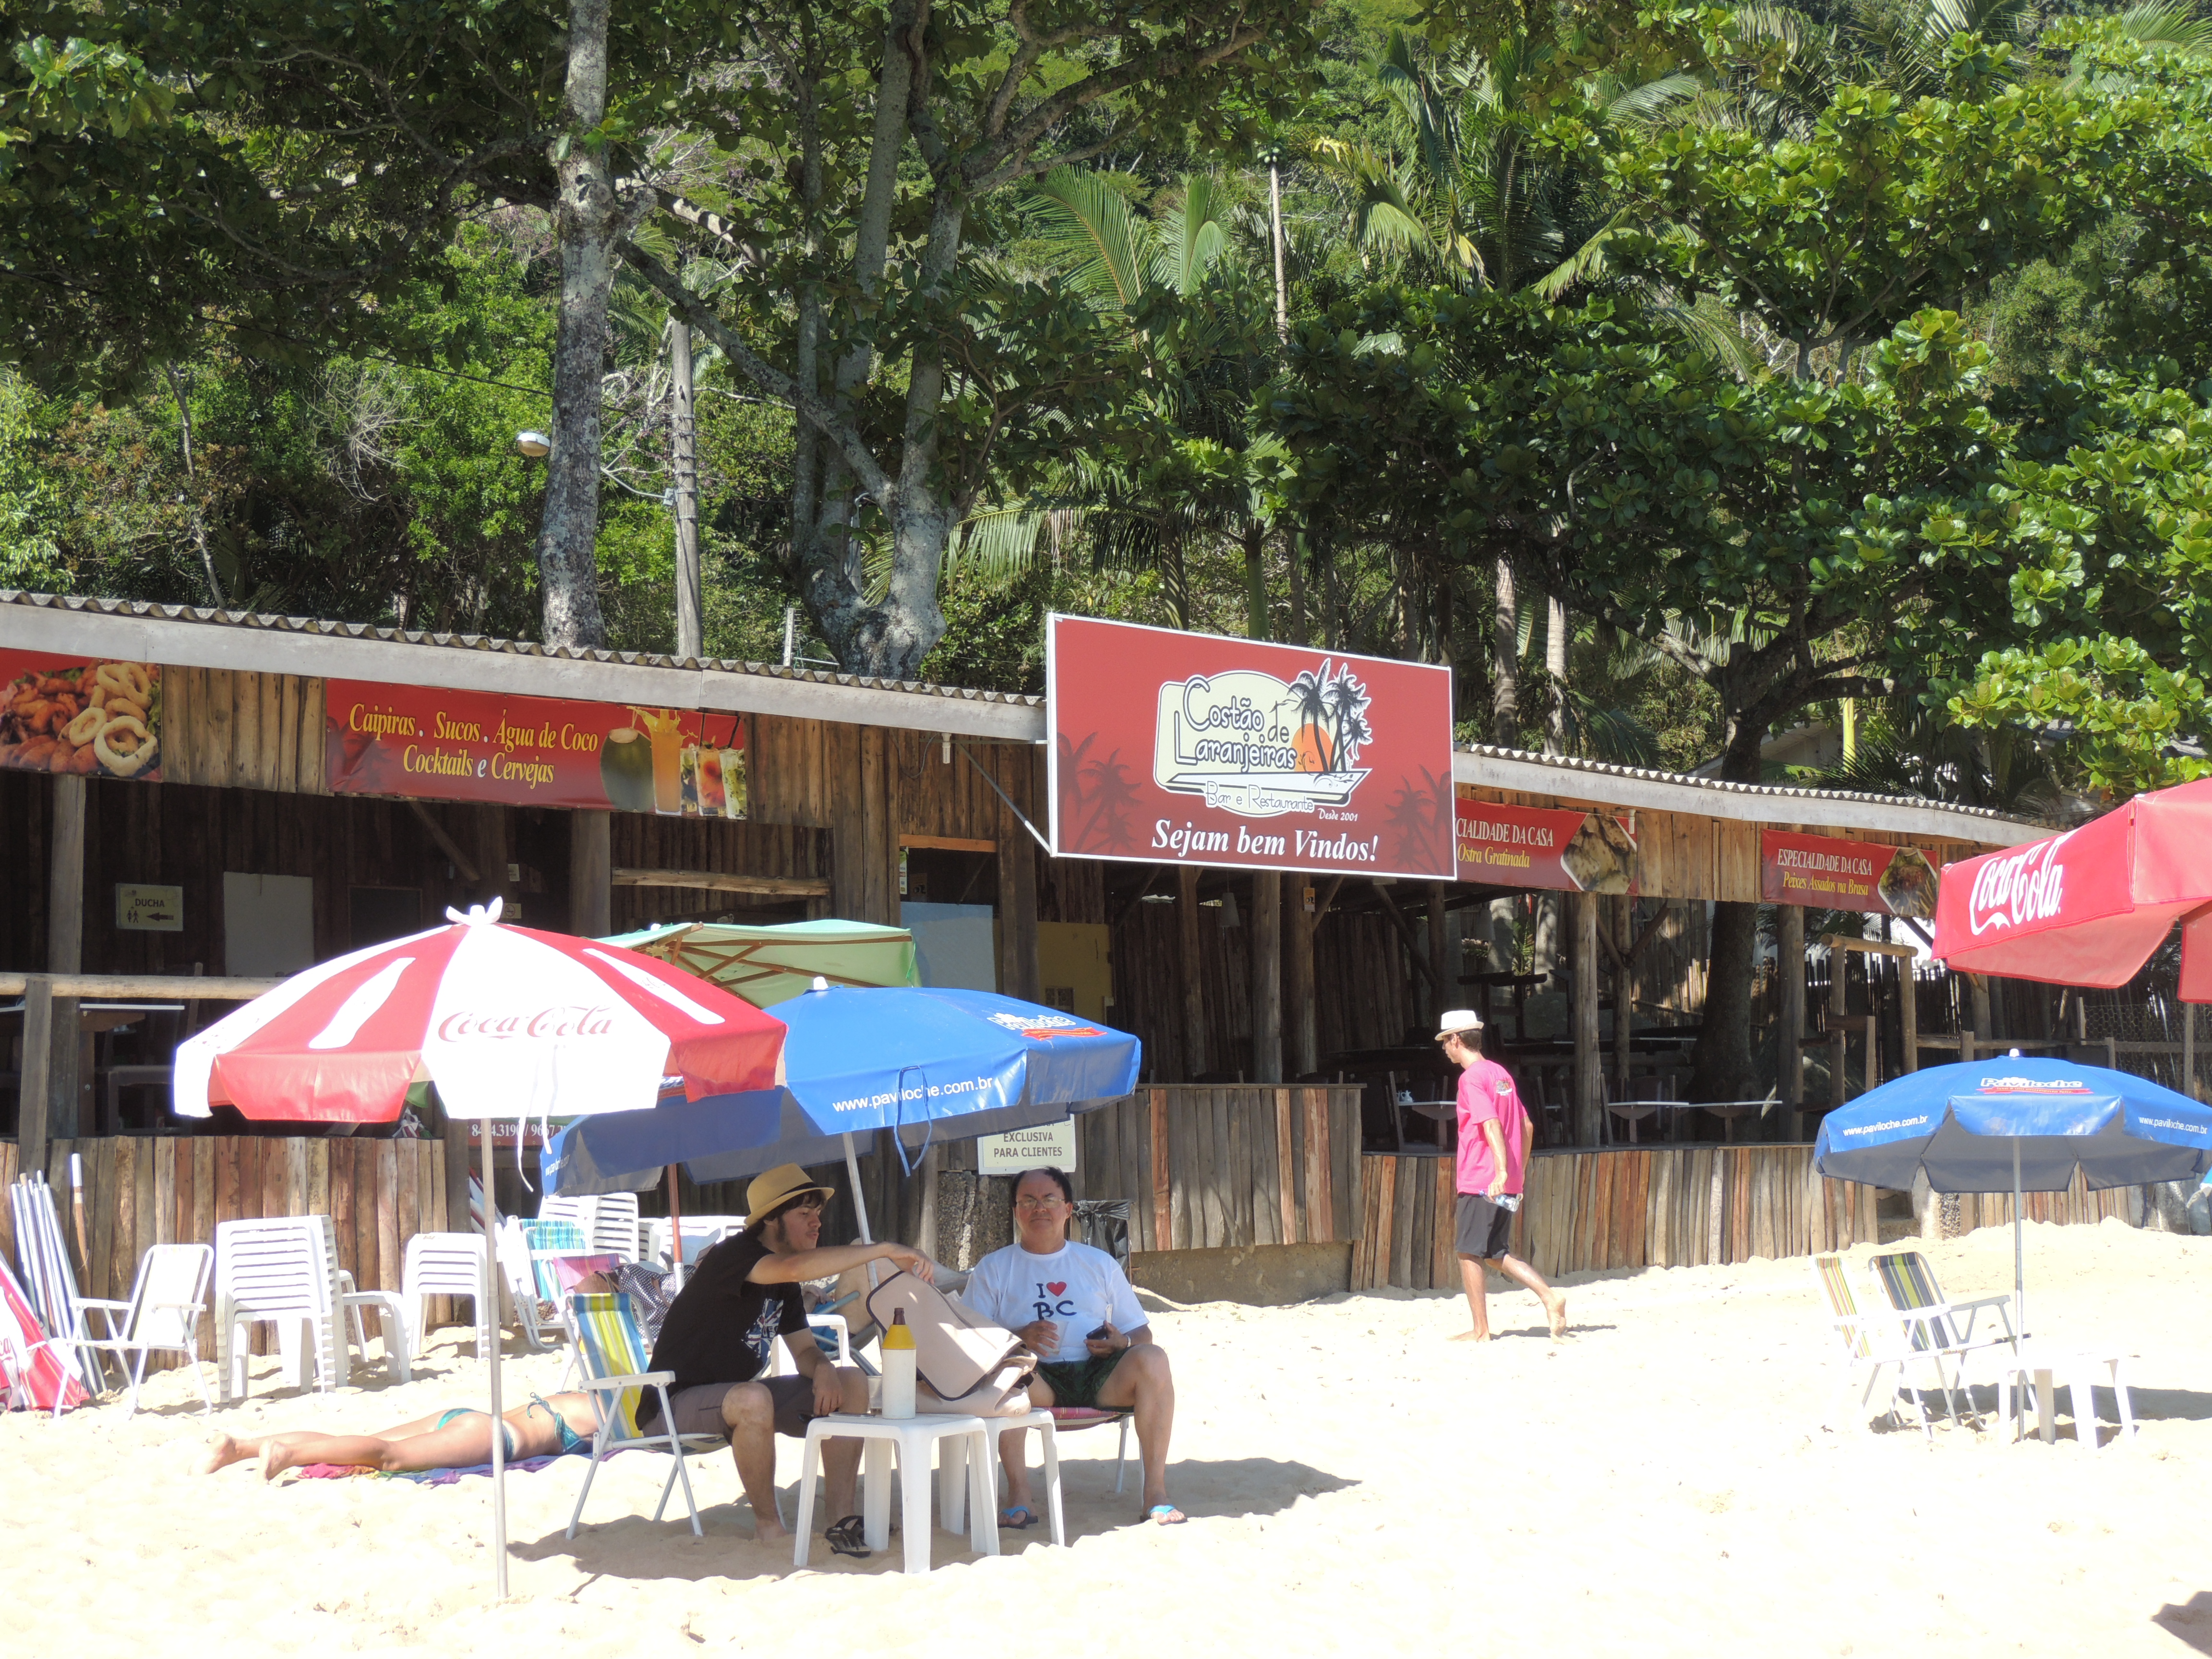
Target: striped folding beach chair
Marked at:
1874, 1339
1938, 1322
613, 1354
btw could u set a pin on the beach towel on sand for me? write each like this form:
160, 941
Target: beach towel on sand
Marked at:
434, 1477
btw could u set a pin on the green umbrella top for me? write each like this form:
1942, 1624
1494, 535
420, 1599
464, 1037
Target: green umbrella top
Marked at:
768, 965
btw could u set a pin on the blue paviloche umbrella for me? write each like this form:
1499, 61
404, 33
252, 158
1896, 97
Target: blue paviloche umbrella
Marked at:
921, 1061
2009, 1124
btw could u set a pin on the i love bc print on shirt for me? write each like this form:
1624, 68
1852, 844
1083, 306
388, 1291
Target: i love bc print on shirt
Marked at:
1052, 1300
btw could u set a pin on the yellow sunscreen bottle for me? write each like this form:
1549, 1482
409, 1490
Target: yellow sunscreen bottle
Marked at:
898, 1368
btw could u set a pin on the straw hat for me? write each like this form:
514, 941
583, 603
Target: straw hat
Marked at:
1458, 1022
780, 1186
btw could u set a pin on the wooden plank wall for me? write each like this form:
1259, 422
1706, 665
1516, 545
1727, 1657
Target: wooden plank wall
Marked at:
242, 730
641, 841
1364, 992
141, 1191
1223, 1167
1629, 1207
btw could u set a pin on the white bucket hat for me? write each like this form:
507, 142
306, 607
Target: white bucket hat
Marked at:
1456, 1022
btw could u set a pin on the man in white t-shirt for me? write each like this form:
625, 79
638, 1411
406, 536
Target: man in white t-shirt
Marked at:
1074, 1309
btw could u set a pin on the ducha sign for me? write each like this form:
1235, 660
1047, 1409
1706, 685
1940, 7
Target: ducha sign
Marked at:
433, 744
1173, 748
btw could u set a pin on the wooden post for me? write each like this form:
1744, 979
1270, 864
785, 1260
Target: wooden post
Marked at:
1193, 976
1624, 993
1305, 1055
590, 874
1789, 963
1978, 986
1839, 966
2188, 1050
1908, 1014
1443, 983
491, 854
65, 954
1589, 1076
1019, 974
37, 1093
1267, 976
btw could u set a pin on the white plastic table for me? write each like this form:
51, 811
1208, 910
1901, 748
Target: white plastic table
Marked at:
2076, 1372
914, 1438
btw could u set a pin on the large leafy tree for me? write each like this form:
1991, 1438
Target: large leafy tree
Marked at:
923, 376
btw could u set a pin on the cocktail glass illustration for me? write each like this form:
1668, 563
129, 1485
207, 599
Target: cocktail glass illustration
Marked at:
733, 782
664, 727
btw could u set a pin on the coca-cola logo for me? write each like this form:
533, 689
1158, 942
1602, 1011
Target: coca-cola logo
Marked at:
567, 1020
2012, 892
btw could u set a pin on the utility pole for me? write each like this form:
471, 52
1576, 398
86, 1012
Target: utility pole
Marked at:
683, 443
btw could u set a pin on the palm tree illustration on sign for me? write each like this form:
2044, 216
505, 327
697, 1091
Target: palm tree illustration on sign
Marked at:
1348, 703
1315, 746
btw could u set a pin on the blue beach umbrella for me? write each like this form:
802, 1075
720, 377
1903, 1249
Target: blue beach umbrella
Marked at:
2009, 1124
916, 1059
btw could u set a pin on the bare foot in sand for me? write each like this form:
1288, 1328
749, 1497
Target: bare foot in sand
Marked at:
1471, 1336
770, 1531
1557, 1307
220, 1453
275, 1457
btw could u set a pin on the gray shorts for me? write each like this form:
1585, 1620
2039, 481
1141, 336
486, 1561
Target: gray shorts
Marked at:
698, 1410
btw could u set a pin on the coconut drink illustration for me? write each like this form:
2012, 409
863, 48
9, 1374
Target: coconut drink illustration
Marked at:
626, 769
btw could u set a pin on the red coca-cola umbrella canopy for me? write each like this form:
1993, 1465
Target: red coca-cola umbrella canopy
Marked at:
508, 1021
2089, 907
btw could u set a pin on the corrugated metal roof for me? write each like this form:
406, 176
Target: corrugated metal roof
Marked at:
484, 642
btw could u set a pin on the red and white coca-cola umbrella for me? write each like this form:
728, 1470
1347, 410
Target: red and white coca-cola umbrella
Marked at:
508, 1021
2089, 907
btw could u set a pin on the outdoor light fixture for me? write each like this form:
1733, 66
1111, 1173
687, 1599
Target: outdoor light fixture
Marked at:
536, 444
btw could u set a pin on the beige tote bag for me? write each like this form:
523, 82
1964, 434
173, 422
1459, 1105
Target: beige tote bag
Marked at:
964, 1365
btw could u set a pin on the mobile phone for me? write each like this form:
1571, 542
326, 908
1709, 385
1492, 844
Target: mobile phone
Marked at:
1098, 1335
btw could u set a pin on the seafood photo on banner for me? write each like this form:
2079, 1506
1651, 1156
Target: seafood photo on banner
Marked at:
92, 719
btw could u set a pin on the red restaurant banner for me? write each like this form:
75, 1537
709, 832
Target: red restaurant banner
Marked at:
88, 717
1564, 848
1825, 873
437, 745
1190, 748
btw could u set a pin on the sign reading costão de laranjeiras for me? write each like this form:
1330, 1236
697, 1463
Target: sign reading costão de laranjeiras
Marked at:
1171, 748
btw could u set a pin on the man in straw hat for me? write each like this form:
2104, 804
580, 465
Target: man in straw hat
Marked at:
720, 1333
1494, 1137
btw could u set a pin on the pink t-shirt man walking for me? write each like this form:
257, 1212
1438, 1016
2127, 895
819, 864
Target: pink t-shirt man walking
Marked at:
1494, 1138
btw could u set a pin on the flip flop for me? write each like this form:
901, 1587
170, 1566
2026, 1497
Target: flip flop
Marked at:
849, 1537
1165, 1515
1028, 1518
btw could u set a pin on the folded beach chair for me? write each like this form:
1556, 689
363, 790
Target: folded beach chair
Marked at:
36, 1376
49, 1280
614, 1363
162, 1316
1875, 1338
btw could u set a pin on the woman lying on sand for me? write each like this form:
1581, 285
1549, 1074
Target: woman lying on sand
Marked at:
455, 1439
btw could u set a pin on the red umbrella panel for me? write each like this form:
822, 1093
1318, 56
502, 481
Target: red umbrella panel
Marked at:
2089, 907
508, 1021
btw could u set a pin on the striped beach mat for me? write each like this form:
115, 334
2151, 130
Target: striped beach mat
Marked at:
43, 1376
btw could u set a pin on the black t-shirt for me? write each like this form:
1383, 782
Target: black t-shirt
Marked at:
722, 1327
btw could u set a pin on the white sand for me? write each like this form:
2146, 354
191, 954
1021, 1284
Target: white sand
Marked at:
1654, 1484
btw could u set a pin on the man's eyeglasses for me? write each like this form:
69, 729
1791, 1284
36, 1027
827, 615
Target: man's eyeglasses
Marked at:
1038, 1203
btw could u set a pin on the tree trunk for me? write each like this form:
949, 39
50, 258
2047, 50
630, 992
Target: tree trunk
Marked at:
1721, 1067
1555, 676
588, 223
684, 447
1505, 661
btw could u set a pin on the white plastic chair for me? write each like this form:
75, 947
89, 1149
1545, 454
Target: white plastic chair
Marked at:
391, 1313
700, 1234
607, 1220
445, 1264
281, 1270
162, 1316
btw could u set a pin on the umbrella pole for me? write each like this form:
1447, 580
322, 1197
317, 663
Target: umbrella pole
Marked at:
675, 1229
860, 1204
498, 1439
2019, 1279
